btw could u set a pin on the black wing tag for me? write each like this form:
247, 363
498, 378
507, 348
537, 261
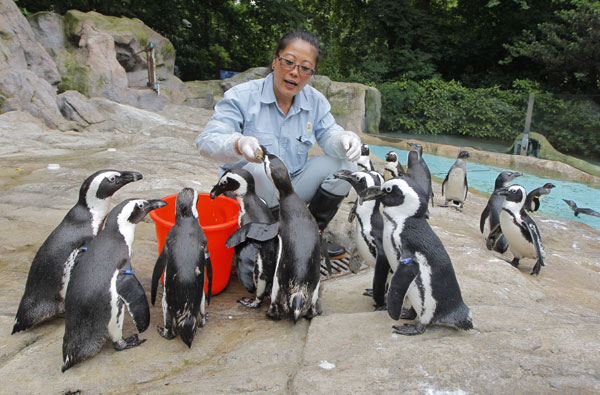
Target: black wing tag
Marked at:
255, 231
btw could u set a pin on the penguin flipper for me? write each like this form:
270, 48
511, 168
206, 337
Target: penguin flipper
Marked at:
382, 268
484, 216
493, 237
246, 260
254, 230
444, 184
536, 239
131, 292
403, 277
209, 276
159, 268
466, 188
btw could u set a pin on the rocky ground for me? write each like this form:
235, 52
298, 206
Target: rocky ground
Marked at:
532, 334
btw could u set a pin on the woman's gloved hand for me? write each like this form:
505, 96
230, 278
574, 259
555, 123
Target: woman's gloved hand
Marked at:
249, 148
351, 144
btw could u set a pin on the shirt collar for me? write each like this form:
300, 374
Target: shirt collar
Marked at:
300, 101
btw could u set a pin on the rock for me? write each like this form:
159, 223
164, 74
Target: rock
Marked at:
76, 107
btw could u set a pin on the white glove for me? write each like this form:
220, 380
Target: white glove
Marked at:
248, 147
351, 145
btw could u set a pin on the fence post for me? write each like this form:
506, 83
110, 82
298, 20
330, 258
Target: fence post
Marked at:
525, 141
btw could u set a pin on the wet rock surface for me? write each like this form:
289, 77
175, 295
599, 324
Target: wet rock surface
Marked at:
532, 334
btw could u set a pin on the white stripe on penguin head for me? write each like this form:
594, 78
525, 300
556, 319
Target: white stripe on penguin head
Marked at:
195, 204
411, 203
98, 207
126, 228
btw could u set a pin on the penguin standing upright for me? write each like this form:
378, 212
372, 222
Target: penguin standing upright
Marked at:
102, 284
519, 228
455, 186
256, 259
368, 232
184, 260
423, 271
490, 217
297, 272
50, 270
417, 169
534, 198
393, 168
364, 161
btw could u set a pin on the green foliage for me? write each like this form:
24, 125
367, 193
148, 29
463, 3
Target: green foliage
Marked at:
572, 125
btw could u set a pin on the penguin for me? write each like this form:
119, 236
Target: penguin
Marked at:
518, 227
102, 284
256, 259
184, 260
577, 210
455, 186
364, 161
532, 203
297, 276
50, 269
423, 271
368, 232
490, 216
393, 167
417, 169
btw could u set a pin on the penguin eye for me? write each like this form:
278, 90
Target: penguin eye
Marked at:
388, 189
224, 181
140, 205
112, 178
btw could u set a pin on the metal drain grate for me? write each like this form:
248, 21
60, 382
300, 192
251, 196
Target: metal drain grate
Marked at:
339, 267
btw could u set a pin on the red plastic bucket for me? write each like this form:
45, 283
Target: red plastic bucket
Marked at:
218, 218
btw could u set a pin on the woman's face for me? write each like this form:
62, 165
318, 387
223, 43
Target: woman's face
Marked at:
287, 83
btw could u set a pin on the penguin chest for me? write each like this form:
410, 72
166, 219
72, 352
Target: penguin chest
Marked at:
455, 187
518, 244
362, 235
392, 244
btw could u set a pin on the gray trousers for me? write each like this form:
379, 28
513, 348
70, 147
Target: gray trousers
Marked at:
318, 172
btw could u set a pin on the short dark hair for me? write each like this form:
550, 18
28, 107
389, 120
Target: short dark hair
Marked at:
288, 37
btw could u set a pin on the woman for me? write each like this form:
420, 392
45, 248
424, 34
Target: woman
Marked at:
287, 116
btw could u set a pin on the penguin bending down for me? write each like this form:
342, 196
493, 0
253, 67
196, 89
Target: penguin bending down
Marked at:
368, 231
364, 161
103, 284
455, 186
184, 261
417, 169
519, 228
577, 210
256, 259
423, 271
490, 217
393, 167
50, 270
297, 272
532, 203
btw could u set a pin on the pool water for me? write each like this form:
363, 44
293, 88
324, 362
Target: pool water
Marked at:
482, 178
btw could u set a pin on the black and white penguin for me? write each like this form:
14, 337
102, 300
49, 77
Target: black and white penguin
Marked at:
50, 270
534, 198
577, 210
364, 161
297, 277
455, 186
184, 260
520, 230
255, 259
490, 217
414, 250
393, 168
103, 284
368, 231
417, 169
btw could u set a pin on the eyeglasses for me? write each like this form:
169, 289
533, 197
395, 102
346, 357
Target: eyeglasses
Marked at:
290, 65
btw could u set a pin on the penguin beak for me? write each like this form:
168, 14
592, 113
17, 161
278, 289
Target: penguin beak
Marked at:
517, 174
345, 175
129, 176
154, 204
371, 193
216, 191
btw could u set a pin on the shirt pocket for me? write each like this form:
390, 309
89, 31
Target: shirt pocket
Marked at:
266, 139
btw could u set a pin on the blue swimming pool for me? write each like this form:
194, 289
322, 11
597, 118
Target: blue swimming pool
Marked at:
482, 177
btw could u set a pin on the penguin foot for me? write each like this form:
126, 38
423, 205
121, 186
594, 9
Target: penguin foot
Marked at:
459, 208
515, 262
250, 303
382, 307
537, 267
408, 314
130, 342
166, 333
312, 312
368, 292
409, 330
273, 312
